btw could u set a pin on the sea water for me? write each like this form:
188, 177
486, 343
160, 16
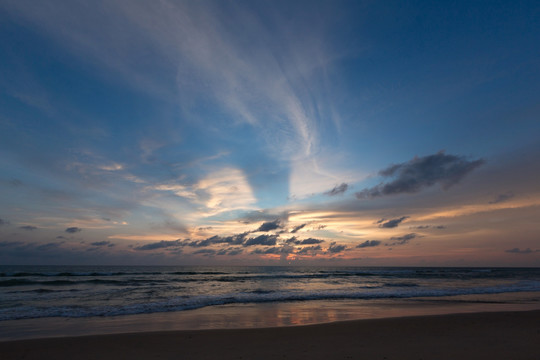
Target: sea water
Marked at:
267, 293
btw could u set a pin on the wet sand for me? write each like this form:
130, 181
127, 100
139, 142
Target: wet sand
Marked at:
501, 335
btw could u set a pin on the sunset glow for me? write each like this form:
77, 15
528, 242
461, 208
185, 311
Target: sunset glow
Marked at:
269, 133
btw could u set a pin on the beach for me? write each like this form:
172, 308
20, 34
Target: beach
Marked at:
495, 335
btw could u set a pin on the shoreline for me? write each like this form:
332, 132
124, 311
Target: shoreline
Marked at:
480, 335
264, 315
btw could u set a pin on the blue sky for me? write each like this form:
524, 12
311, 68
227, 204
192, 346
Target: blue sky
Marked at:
270, 132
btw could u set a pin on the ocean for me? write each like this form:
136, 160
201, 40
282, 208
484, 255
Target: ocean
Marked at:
108, 292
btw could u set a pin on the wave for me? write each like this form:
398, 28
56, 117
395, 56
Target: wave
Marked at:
182, 303
26, 282
428, 273
74, 274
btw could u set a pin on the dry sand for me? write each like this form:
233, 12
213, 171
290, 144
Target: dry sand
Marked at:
504, 335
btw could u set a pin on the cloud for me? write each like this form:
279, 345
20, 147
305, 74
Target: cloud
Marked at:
309, 249
28, 227
296, 228
369, 243
262, 215
421, 172
334, 248
232, 240
11, 243
3, 222
270, 225
309, 241
207, 252
175, 225
266, 240
48, 246
102, 243
73, 230
502, 197
338, 189
519, 251
391, 223
276, 250
225, 190
160, 245
15, 182
423, 227
402, 240
230, 251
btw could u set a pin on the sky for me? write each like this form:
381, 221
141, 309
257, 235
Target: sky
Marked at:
368, 133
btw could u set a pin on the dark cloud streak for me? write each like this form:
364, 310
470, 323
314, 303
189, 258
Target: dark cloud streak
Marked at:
296, 228
368, 243
159, 245
422, 172
402, 240
391, 223
502, 197
337, 190
28, 227
519, 251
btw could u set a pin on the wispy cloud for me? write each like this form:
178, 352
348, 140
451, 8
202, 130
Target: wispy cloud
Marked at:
338, 189
225, 190
28, 227
502, 197
102, 243
520, 251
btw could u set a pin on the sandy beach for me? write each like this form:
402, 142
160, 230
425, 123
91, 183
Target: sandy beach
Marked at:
501, 335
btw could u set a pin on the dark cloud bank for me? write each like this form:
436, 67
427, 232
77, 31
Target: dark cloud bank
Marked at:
421, 172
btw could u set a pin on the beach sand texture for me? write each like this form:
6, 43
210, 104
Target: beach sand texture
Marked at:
503, 335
